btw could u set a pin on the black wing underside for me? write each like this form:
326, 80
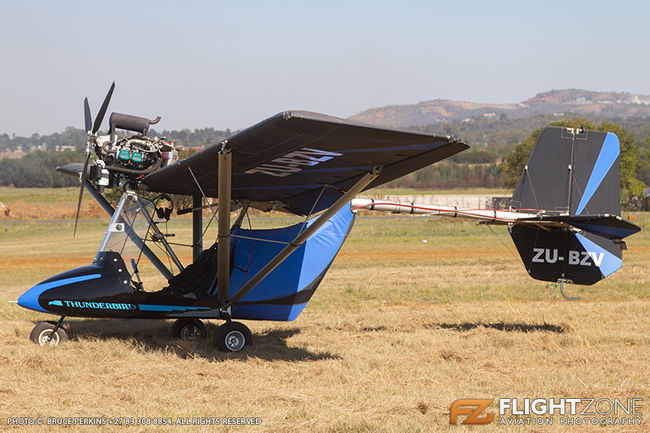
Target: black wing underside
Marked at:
304, 161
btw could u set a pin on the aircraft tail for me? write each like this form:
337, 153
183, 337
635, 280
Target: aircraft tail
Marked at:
572, 179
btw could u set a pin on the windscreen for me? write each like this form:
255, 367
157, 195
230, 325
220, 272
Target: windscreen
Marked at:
128, 229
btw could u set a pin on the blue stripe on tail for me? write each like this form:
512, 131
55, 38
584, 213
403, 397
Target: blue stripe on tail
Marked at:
608, 154
610, 263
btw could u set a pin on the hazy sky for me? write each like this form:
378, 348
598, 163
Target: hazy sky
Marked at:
231, 64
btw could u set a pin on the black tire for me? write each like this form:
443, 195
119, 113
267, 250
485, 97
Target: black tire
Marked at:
41, 332
189, 329
233, 337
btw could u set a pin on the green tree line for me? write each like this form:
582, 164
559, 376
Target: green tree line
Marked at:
633, 157
77, 138
448, 175
37, 169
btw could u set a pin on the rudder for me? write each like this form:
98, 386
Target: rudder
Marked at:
551, 255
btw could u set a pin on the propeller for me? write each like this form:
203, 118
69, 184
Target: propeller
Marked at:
89, 143
102, 110
87, 118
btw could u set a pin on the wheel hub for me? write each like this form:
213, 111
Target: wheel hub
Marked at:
44, 338
235, 341
190, 332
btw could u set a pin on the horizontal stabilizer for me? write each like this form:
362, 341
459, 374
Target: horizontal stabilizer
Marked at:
607, 226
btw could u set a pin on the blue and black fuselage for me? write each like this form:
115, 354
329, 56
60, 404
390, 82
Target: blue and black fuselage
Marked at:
108, 289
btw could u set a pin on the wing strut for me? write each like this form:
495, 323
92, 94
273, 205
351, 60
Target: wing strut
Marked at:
303, 236
223, 231
197, 226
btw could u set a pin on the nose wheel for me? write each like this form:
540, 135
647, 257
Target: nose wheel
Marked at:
49, 334
233, 337
189, 329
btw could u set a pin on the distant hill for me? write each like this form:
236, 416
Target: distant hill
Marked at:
555, 102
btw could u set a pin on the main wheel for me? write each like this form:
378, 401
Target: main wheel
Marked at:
189, 329
233, 337
42, 332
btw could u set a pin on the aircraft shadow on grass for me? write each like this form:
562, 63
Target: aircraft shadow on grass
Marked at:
501, 326
271, 345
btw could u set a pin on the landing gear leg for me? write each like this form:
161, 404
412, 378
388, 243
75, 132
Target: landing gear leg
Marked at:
189, 329
49, 333
233, 337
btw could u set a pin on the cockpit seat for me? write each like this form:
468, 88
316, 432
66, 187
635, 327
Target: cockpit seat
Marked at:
196, 278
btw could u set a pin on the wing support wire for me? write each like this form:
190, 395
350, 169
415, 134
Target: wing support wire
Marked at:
161, 237
303, 236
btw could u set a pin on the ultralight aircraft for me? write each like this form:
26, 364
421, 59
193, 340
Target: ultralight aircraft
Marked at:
564, 216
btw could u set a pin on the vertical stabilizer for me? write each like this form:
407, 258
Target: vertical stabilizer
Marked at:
573, 172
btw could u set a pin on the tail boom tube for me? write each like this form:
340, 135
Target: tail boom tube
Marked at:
488, 215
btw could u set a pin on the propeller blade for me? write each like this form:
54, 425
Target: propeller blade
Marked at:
102, 110
81, 192
87, 118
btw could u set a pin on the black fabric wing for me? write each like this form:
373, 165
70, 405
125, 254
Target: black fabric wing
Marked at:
304, 160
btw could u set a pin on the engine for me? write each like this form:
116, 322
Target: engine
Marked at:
127, 158
135, 153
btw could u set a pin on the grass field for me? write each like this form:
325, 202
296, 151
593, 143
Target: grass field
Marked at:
414, 314
46, 203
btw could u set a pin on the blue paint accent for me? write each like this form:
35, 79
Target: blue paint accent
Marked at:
56, 303
300, 270
610, 263
284, 313
148, 307
29, 299
608, 153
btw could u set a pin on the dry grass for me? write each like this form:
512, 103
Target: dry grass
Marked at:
398, 330
50, 204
